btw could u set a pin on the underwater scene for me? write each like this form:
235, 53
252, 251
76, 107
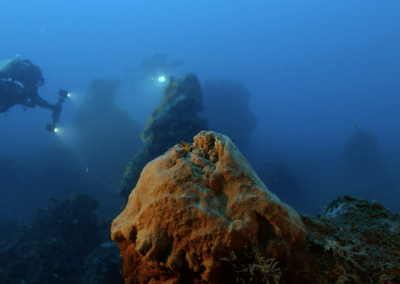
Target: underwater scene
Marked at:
199, 142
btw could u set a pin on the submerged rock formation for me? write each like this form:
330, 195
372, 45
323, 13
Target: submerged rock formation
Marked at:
235, 119
103, 265
109, 134
199, 214
197, 206
350, 241
362, 154
364, 171
175, 119
52, 248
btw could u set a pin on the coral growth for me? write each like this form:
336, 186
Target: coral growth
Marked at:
193, 206
351, 240
196, 209
257, 270
52, 248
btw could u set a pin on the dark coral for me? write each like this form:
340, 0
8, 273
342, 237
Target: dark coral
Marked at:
102, 265
52, 248
353, 241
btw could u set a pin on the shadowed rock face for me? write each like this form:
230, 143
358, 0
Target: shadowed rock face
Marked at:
227, 111
109, 135
361, 153
51, 249
193, 206
175, 119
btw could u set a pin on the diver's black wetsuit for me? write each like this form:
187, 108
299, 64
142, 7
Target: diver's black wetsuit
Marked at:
19, 85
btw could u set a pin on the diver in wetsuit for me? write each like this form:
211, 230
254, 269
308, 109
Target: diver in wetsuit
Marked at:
19, 83
154, 68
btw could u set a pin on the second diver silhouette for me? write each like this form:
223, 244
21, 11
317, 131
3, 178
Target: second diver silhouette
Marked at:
156, 67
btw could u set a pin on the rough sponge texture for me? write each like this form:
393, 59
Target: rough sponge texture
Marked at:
196, 204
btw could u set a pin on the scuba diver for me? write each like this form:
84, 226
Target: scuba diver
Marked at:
19, 83
156, 67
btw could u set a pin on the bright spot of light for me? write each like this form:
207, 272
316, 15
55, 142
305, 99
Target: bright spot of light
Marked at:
75, 98
161, 79
55, 129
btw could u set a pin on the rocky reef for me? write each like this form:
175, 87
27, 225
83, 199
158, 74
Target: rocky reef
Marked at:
175, 119
195, 206
351, 241
200, 214
55, 247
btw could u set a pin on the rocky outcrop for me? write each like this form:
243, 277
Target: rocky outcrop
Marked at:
103, 265
52, 248
175, 119
350, 241
197, 206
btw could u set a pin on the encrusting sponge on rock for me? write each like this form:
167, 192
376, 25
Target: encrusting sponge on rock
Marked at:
194, 206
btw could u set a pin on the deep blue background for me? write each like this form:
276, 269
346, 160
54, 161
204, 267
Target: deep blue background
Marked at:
314, 70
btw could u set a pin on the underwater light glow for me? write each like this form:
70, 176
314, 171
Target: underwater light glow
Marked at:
161, 79
51, 128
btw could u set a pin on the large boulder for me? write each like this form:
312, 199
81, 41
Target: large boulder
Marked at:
351, 241
196, 206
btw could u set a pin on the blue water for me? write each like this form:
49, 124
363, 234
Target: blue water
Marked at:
315, 70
